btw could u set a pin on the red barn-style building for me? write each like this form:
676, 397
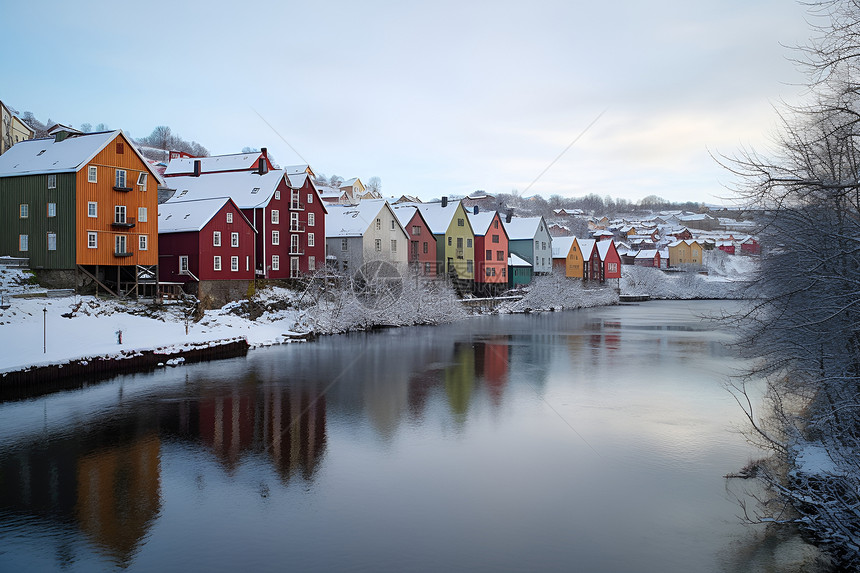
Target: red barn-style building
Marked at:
491, 252
422, 242
610, 260
207, 245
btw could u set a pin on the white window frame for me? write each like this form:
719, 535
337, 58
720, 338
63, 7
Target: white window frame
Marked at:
276, 263
234, 239
120, 175
216, 263
344, 245
24, 211
52, 181
393, 245
183, 264
312, 263
92, 240
52, 241
276, 237
277, 194
52, 209
234, 264
143, 242
216, 238
310, 198
378, 245
141, 181
92, 209
229, 217
312, 220
23, 242
93, 174
117, 211
294, 267
116, 243
311, 240
141, 214
276, 217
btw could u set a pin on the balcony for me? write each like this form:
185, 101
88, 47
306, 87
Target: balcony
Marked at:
297, 206
122, 254
297, 251
126, 223
297, 227
121, 189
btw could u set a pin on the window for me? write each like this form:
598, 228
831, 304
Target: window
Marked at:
393, 246
294, 222
311, 220
277, 194
294, 267
312, 264
229, 217
52, 209
488, 271
92, 209
543, 245
343, 244
23, 242
142, 242
216, 263
120, 148
141, 214
119, 214
216, 238
378, 224
311, 240
489, 256
141, 181
276, 263
378, 244
255, 190
416, 230
52, 241
468, 243
24, 210
183, 264
496, 224
310, 199
504, 272
495, 238
234, 239
92, 240
120, 178
612, 267
276, 237
460, 242
392, 224
52, 181
500, 255
469, 266
459, 222
449, 241
120, 244
93, 174
294, 199
247, 263
234, 264
425, 247
427, 268
275, 216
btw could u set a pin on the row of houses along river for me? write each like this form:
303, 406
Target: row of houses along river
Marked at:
594, 440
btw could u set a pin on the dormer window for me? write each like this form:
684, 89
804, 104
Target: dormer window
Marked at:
183, 192
255, 190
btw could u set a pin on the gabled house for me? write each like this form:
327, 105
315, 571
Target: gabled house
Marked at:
583, 260
208, 246
354, 189
491, 252
290, 229
184, 164
560, 251
82, 204
688, 252
362, 233
12, 129
649, 258
530, 239
422, 242
455, 248
750, 246
610, 260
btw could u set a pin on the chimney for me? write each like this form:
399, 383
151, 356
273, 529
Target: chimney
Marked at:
196, 168
265, 152
475, 210
263, 167
509, 215
444, 202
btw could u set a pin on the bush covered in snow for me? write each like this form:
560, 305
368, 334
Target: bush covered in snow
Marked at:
557, 292
685, 285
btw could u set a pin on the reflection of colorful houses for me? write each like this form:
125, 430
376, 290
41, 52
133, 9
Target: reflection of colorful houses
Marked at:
460, 380
491, 364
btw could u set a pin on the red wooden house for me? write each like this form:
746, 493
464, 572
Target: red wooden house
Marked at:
726, 246
307, 225
207, 245
610, 260
491, 252
422, 242
750, 246
649, 258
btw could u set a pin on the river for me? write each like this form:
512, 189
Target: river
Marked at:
594, 440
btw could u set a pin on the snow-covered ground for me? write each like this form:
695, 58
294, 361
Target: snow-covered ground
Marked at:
727, 277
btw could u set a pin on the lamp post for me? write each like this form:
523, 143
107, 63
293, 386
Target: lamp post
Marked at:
44, 330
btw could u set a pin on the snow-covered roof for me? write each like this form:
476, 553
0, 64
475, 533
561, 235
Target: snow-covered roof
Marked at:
352, 220
603, 248
515, 261
46, 155
523, 227
647, 254
296, 180
295, 169
688, 242
438, 217
586, 246
184, 216
696, 217
481, 222
349, 182
404, 213
561, 246
232, 162
248, 189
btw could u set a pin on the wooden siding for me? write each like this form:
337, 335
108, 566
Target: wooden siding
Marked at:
496, 264
575, 267
418, 258
33, 191
456, 231
107, 161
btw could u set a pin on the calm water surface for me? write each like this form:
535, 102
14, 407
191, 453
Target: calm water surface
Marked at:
577, 441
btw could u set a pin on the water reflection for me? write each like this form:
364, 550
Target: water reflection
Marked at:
108, 465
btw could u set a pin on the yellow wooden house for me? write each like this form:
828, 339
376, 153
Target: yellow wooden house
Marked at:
687, 252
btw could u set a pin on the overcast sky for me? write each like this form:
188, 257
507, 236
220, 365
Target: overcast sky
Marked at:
436, 98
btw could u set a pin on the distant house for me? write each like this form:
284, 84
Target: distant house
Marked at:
603, 235
368, 231
750, 246
726, 246
649, 258
355, 190
85, 203
529, 238
687, 252
187, 165
491, 252
481, 199
422, 243
207, 245
12, 129
557, 230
